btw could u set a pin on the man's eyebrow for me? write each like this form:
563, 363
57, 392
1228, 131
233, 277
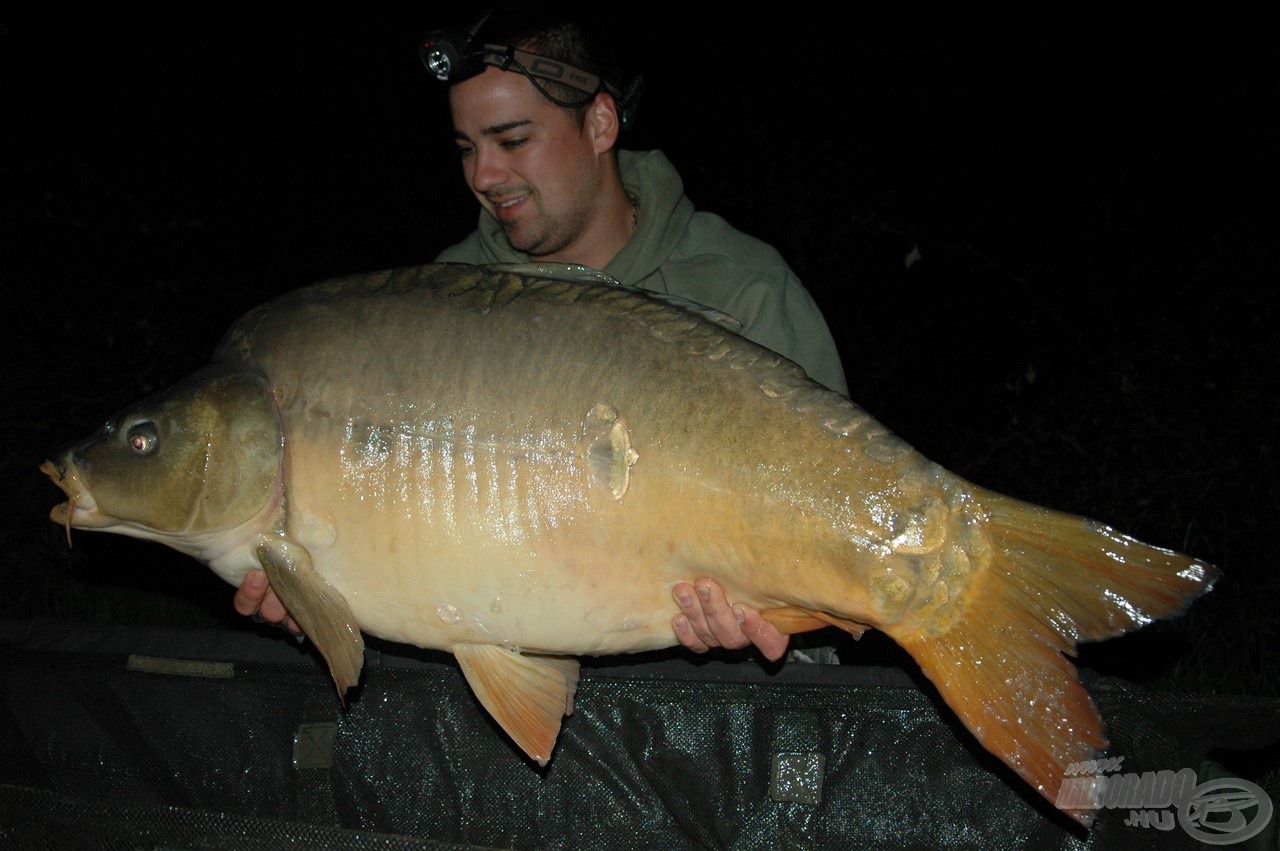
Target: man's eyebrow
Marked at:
495, 130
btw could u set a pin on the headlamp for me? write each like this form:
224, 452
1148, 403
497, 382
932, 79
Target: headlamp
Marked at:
452, 56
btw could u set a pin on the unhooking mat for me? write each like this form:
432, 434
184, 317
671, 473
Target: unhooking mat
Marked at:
137, 737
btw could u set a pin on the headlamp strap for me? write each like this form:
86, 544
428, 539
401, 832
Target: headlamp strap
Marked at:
508, 57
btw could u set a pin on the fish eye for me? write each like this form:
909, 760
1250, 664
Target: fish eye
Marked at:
142, 438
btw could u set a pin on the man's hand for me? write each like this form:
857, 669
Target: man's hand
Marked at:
707, 621
255, 598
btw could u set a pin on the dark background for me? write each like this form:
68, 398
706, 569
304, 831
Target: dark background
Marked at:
1092, 199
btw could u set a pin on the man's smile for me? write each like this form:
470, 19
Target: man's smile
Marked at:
507, 207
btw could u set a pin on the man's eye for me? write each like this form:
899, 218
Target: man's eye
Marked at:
512, 144
463, 153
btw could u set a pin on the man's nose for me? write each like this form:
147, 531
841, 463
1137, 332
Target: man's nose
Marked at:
487, 170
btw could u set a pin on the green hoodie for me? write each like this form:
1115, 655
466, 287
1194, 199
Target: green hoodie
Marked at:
700, 257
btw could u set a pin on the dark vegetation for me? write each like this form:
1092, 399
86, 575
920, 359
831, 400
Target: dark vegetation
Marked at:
1047, 247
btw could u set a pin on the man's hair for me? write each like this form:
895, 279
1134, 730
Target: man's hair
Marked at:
562, 31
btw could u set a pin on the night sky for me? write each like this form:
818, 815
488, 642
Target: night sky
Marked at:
1092, 199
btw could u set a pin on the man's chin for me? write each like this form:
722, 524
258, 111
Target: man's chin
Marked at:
534, 246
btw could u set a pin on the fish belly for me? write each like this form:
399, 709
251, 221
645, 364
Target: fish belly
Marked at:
438, 534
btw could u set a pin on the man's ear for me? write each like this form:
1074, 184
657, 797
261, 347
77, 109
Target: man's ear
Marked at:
602, 122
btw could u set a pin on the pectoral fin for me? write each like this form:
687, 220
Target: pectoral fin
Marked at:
320, 610
526, 695
609, 450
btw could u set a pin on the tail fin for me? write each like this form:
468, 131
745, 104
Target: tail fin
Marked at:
1053, 580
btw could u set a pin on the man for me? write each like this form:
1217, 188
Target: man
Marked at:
557, 189
542, 159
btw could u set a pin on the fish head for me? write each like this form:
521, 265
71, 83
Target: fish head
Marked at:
183, 467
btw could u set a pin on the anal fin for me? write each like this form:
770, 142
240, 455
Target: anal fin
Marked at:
320, 610
526, 695
790, 620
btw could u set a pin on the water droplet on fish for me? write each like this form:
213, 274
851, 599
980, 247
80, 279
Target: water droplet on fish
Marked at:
449, 613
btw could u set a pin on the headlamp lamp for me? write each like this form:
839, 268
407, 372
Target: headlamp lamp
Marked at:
452, 56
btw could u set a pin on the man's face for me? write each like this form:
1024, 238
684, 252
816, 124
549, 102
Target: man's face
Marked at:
528, 162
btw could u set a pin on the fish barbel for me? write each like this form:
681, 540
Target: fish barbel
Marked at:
517, 467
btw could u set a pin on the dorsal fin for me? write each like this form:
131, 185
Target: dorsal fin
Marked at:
586, 275
573, 272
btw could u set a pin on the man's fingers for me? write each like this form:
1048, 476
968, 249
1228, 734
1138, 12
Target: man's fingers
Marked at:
249, 595
708, 620
272, 610
721, 619
256, 598
686, 635
764, 635
691, 624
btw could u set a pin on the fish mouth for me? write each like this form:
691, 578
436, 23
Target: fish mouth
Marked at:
80, 510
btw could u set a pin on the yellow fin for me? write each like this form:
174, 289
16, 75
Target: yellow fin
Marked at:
526, 695
320, 610
1015, 692
790, 620
1049, 581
